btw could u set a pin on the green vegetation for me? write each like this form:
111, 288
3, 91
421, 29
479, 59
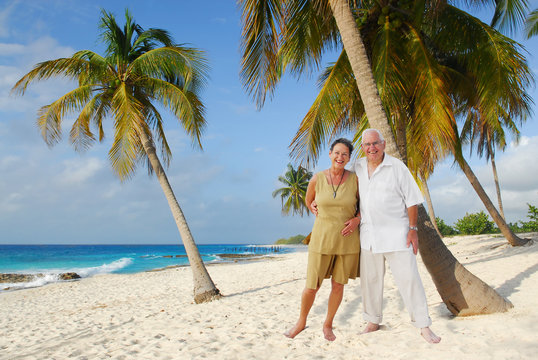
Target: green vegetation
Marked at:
479, 223
293, 193
445, 229
297, 239
473, 224
527, 226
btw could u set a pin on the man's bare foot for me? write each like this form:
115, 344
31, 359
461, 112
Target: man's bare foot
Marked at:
429, 336
291, 333
328, 333
371, 327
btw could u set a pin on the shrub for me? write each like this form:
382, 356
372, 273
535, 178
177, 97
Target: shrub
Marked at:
516, 228
473, 224
531, 225
445, 229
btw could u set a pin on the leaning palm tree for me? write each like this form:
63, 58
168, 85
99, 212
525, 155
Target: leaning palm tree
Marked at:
125, 86
293, 193
485, 136
292, 35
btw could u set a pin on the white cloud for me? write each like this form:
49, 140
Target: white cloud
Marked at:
11, 49
11, 203
77, 171
453, 196
5, 14
38, 93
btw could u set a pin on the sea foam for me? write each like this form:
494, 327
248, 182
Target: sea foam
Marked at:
53, 275
105, 268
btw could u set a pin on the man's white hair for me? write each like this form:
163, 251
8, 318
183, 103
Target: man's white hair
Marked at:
372, 130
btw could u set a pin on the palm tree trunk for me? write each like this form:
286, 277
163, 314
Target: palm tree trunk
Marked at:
204, 288
429, 202
463, 293
461, 299
499, 221
362, 70
496, 179
497, 187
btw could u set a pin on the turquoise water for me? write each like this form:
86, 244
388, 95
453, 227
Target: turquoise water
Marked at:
90, 260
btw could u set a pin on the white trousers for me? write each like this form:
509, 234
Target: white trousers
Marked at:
403, 265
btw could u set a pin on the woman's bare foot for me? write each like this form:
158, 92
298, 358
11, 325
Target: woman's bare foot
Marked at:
429, 336
291, 333
370, 327
328, 333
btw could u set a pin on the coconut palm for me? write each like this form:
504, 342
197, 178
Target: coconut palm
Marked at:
293, 193
293, 34
125, 86
420, 101
485, 136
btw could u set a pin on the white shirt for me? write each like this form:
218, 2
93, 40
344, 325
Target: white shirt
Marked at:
384, 199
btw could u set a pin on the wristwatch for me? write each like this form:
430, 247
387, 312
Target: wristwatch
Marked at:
413, 228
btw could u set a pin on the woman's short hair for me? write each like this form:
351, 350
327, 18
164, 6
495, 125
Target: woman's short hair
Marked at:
344, 141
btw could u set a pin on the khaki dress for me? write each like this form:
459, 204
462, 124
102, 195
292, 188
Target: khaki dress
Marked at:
329, 252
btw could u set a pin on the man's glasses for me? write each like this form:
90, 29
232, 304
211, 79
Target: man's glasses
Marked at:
375, 143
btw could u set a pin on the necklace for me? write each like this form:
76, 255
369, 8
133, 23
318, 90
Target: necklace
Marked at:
340, 183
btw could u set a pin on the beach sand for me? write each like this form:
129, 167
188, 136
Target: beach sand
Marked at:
152, 316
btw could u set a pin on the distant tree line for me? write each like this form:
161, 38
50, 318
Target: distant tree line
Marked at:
297, 239
480, 223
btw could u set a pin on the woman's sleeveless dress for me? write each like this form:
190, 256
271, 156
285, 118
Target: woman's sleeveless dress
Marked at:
342, 261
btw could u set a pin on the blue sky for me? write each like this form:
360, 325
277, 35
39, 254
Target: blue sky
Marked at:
55, 195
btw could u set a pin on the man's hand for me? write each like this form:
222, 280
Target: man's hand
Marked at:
412, 238
314, 208
351, 225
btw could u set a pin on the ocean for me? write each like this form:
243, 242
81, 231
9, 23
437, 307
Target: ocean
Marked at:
90, 260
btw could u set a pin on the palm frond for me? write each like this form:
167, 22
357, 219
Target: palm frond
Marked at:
128, 123
185, 105
50, 117
260, 39
184, 67
509, 14
309, 29
531, 24
337, 108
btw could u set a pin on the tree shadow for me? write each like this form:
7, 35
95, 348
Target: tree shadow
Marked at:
509, 287
532, 246
262, 288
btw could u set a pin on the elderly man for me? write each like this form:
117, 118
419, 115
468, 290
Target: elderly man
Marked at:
388, 210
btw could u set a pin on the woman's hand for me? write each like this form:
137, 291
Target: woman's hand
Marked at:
314, 208
351, 225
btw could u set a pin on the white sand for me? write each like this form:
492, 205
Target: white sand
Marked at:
152, 316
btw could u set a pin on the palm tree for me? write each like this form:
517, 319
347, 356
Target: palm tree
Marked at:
294, 191
485, 136
294, 34
420, 101
125, 85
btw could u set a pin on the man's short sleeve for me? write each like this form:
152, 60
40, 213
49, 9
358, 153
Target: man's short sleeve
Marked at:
410, 191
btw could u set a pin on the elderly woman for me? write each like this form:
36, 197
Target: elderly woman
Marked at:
333, 251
